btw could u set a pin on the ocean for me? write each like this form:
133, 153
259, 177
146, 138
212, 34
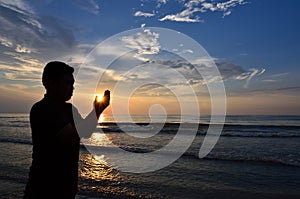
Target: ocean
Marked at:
255, 157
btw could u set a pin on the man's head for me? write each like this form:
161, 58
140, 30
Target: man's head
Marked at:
58, 80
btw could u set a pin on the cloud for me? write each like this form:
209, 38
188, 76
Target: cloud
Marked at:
24, 32
145, 43
229, 70
23, 75
22, 49
184, 16
200, 73
16, 5
179, 18
163, 77
143, 14
226, 6
278, 75
194, 73
275, 77
26, 36
249, 75
153, 90
5, 42
289, 90
191, 10
237, 72
28, 41
30, 70
160, 2
90, 6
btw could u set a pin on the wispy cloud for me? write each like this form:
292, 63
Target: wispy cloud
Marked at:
28, 41
275, 77
249, 75
17, 6
143, 14
278, 90
226, 6
191, 10
23, 31
184, 16
23, 49
145, 43
90, 6
198, 74
161, 2
146, 48
279, 75
5, 42
227, 71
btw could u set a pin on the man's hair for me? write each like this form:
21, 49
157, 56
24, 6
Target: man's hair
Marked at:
55, 70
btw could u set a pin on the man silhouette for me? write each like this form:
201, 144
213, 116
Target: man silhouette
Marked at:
56, 142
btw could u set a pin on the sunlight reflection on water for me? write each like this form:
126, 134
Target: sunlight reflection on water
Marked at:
96, 177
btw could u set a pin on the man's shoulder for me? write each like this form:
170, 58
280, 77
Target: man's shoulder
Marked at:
39, 107
38, 104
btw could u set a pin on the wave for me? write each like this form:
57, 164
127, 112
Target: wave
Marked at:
261, 135
9, 116
228, 130
15, 122
172, 132
229, 124
15, 141
210, 157
15, 179
109, 127
258, 160
188, 154
24, 125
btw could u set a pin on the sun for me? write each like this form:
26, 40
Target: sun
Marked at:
99, 97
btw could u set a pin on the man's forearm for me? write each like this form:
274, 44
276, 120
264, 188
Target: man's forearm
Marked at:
87, 126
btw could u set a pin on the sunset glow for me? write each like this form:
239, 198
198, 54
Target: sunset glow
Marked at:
257, 80
99, 97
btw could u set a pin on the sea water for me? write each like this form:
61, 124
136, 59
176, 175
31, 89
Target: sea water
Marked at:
255, 156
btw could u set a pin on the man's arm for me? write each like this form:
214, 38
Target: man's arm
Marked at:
86, 127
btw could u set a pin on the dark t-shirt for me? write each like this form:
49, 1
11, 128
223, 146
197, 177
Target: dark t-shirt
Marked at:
54, 169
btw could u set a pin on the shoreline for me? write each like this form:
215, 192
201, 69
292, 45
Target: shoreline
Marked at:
217, 182
213, 194
208, 194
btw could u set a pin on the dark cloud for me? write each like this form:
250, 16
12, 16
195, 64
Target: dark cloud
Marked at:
197, 73
229, 70
42, 36
28, 40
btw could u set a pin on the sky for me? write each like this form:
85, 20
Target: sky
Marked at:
254, 44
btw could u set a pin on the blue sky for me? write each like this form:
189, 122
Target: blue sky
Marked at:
255, 44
